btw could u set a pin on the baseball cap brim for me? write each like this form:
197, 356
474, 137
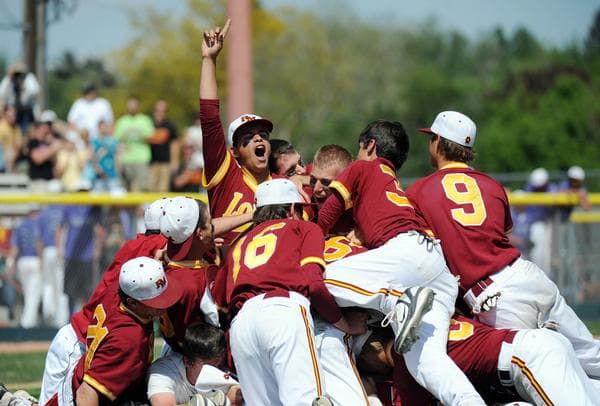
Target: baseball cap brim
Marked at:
259, 122
168, 297
426, 130
177, 252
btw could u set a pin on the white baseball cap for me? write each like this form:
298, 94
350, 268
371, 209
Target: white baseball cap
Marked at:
538, 177
153, 213
178, 223
576, 172
453, 126
244, 121
47, 116
277, 191
144, 280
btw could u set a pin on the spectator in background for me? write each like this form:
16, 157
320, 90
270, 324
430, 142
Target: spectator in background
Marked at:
54, 302
71, 160
20, 88
284, 160
132, 131
83, 239
41, 152
188, 177
89, 110
193, 136
104, 160
540, 232
11, 138
164, 148
25, 254
8, 283
574, 185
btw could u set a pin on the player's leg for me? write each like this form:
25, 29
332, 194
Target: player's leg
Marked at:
254, 372
50, 288
292, 352
343, 383
529, 299
543, 364
30, 278
428, 361
63, 354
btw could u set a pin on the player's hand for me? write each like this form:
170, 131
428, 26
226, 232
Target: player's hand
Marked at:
234, 394
213, 40
353, 328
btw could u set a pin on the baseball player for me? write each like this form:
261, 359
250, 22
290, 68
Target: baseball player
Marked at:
505, 365
54, 301
146, 244
273, 276
470, 213
175, 378
119, 343
25, 255
187, 225
400, 255
230, 176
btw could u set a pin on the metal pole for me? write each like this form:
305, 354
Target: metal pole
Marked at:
29, 34
239, 59
40, 69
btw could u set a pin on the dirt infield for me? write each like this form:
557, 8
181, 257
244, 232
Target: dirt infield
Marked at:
23, 346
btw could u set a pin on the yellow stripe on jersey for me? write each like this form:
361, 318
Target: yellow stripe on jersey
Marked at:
359, 290
313, 354
250, 180
313, 260
219, 175
99, 387
454, 164
386, 169
527, 372
341, 189
190, 264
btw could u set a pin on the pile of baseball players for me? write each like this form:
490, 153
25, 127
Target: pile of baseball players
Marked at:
332, 287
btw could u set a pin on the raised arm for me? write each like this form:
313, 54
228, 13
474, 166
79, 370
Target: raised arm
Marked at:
211, 47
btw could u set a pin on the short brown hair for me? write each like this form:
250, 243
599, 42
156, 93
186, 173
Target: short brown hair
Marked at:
455, 152
332, 154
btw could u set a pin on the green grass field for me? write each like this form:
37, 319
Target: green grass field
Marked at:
24, 370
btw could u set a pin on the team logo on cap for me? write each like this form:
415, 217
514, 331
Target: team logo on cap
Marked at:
161, 283
246, 119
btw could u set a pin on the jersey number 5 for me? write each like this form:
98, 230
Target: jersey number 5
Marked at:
258, 251
469, 194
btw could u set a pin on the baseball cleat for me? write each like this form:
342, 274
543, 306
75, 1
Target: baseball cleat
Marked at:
406, 317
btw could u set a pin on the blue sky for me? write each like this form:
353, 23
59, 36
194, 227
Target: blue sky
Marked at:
97, 27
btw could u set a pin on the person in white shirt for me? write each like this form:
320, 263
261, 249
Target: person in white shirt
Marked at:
194, 377
89, 110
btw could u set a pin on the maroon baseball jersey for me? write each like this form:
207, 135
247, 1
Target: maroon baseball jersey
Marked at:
142, 246
381, 209
338, 247
276, 257
230, 187
192, 278
474, 348
119, 350
469, 212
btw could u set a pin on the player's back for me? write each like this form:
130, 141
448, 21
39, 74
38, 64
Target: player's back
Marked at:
469, 212
381, 208
269, 259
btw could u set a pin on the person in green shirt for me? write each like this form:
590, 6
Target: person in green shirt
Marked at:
133, 131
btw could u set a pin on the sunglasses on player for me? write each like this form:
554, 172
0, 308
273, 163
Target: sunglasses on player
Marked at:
246, 137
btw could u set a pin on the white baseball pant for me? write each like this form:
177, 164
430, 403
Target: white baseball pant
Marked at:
528, 298
376, 278
272, 344
55, 305
62, 358
334, 348
29, 275
545, 370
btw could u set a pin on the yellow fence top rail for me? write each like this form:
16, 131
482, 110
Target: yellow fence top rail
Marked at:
87, 198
